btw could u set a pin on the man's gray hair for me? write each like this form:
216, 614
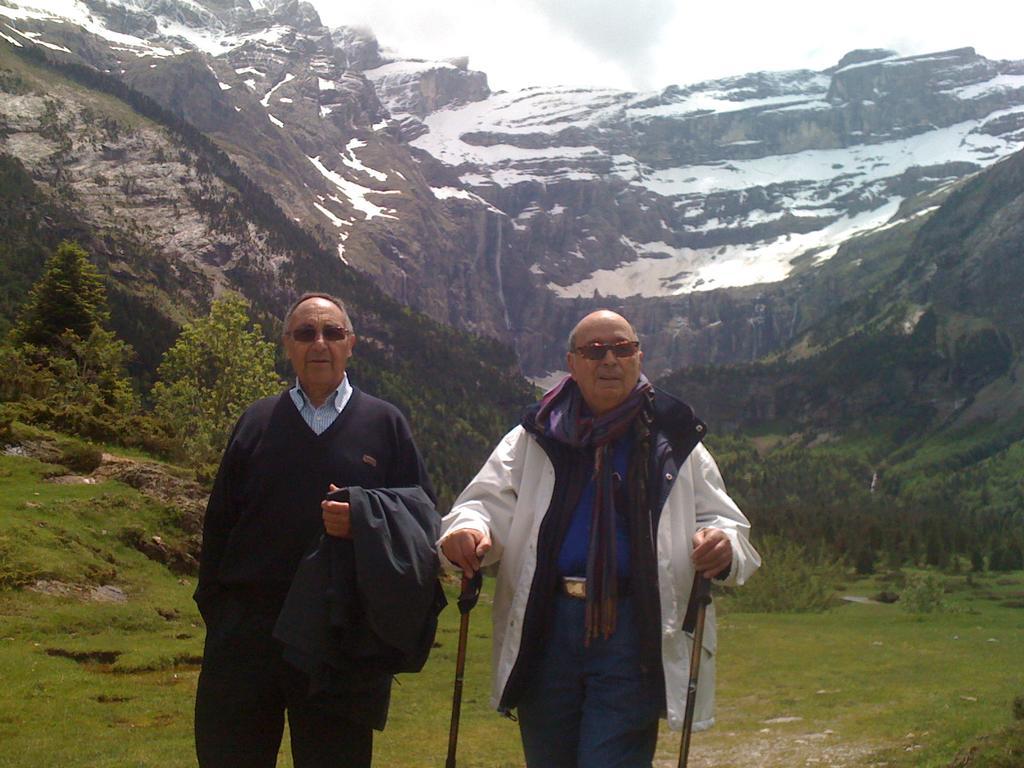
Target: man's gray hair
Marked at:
314, 295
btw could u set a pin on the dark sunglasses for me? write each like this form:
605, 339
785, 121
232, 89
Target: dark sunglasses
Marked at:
597, 351
308, 333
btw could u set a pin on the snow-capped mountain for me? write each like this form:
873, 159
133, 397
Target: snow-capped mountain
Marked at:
758, 171
739, 182
696, 208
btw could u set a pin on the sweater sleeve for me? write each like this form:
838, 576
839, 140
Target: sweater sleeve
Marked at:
221, 516
408, 468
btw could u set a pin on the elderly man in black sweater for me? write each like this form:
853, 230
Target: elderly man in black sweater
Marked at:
266, 511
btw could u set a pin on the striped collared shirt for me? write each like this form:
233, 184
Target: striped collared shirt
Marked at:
319, 419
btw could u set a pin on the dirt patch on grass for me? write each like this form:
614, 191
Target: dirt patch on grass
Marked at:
770, 750
104, 699
85, 657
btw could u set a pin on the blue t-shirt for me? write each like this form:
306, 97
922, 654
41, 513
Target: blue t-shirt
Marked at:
572, 557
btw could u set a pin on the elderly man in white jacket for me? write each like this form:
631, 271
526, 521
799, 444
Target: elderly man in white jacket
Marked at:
600, 506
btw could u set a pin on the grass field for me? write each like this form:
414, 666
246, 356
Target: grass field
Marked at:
87, 683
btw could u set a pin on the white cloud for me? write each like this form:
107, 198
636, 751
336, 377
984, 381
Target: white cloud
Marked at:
731, 38
626, 33
644, 44
516, 45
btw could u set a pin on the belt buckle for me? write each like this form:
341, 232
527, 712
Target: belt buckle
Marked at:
575, 586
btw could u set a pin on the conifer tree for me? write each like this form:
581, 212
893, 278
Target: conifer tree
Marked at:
1013, 557
977, 561
69, 296
864, 562
935, 549
70, 370
996, 557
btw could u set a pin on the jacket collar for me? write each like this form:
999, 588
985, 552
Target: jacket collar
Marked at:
676, 419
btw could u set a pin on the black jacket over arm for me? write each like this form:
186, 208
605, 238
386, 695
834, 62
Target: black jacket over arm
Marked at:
364, 608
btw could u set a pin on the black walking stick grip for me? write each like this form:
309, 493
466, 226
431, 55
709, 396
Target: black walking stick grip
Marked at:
470, 592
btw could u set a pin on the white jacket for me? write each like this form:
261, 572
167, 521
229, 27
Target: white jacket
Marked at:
508, 499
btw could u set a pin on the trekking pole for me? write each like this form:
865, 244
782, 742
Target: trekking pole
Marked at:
700, 598
467, 599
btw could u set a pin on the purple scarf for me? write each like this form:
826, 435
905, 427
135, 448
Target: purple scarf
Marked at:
561, 417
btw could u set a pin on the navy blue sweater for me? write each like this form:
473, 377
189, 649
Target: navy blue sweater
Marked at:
264, 511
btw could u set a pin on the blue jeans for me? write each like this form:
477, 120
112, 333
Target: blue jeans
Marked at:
589, 707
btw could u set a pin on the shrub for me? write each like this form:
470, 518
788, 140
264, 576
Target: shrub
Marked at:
13, 574
791, 580
924, 594
80, 457
78, 387
133, 535
6, 422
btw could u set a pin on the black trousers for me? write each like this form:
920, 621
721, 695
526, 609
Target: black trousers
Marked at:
245, 688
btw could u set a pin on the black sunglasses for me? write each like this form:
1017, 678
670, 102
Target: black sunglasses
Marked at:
308, 333
597, 351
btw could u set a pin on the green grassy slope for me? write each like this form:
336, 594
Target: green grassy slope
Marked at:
90, 683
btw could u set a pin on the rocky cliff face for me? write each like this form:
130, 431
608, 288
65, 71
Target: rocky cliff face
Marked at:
706, 212
167, 225
286, 98
421, 87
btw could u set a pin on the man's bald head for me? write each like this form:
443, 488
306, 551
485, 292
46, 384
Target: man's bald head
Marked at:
597, 314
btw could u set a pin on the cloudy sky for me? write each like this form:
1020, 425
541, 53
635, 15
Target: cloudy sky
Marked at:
647, 44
